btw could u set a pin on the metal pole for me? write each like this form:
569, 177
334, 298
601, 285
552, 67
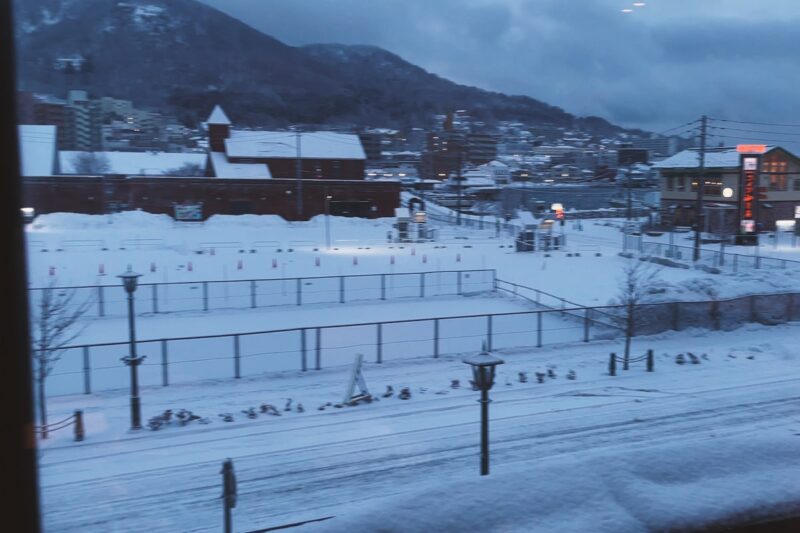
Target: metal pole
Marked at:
155, 298
318, 355
299, 177
253, 294
484, 429
327, 222
436, 338
539, 329
236, 357
136, 415
341, 289
164, 363
379, 343
489, 332
299, 291
303, 350
701, 182
101, 301
205, 296
87, 371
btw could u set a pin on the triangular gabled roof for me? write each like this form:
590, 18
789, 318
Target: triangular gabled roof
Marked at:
218, 117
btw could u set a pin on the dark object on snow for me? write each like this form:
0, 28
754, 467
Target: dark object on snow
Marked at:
300, 408
694, 358
389, 391
226, 417
288, 406
540, 377
338, 405
455, 384
523, 377
321, 408
158, 421
571, 374
508, 382
550, 373
184, 417
680, 359
250, 413
405, 393
269, 409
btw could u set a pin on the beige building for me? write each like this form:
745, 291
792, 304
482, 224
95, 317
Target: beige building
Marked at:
775, 188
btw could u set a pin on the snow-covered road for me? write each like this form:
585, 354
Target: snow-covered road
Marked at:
323, 463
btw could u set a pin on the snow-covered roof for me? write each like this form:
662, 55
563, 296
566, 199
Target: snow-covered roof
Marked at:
219, 117
37, 149
715, 158
225, 169
283, 144
136, 163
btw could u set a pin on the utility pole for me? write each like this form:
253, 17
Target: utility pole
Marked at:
299, 176
701, 182
459, 178
628, 211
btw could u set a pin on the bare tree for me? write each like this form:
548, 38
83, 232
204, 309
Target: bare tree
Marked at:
636, 284
90, 164
55, 324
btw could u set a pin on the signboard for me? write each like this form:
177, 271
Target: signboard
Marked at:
189, 212
751, 148
749, 184
748, 226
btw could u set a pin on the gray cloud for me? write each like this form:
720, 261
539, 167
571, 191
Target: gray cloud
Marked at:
660, 66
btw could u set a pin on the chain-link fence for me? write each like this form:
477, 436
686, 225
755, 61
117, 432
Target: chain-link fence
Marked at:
84, 369
155, 298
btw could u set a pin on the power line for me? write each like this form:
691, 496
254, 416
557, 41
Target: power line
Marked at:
679, 127
758, 123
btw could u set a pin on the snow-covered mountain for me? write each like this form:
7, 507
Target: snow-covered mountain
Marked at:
183, 57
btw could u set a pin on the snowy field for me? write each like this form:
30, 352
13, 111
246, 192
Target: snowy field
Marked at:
690, 427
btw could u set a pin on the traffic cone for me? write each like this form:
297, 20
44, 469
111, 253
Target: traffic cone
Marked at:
152, 267
274, 263
52, 271
189, 266
101, 269
316, 261
239, 265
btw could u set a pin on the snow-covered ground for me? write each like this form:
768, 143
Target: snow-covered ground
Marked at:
614, 441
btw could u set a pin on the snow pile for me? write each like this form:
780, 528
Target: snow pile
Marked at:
134, 220
674, 486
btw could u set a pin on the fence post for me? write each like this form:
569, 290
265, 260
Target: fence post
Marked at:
164, 363
459, 283
538, 296
79, 430
205, 296
436, 338
303, 351
341, 289
422, 284
753, 309
649, 360
586, 320
715, 318
155, 298
612, 364
253, 294
318, 355
489, 332
379, 343
101, 303
735, 263
299, 291
87, 372
383, 286
236, 357
538, 329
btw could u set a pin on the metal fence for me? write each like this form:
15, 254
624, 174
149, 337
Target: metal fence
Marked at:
155, 298
716, 258
88, 368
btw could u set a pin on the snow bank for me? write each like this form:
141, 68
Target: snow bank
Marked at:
680, 485
134, 220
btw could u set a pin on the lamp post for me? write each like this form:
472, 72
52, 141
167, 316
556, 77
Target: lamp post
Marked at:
129, 281
328, 198
483, 370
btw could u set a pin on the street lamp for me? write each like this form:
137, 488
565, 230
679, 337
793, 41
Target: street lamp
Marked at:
328, 198
483, 370
129, 281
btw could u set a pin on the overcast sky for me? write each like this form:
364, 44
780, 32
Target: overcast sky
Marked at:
660, 66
